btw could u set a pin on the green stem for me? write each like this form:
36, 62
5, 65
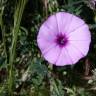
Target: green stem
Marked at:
17, 19
3, 33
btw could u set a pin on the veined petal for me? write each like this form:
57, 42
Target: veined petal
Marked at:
44, 44
52, 54
64, 58
75, 23
74, 53
80, 34
51, 24
63, 21
46, 33
82, 46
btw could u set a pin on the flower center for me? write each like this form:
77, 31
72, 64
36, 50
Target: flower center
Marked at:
61, 40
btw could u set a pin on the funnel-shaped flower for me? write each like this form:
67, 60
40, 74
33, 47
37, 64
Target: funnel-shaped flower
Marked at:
64, 39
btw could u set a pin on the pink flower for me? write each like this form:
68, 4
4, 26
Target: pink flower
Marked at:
64, 39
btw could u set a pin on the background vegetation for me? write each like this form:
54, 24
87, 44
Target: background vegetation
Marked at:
23, 71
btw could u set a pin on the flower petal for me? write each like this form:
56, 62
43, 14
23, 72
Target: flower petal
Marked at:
75, 23
44, 44
82, 46
74, 53
46, 33
52, 55
63, 21
64, 58
51, 24
80, 34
